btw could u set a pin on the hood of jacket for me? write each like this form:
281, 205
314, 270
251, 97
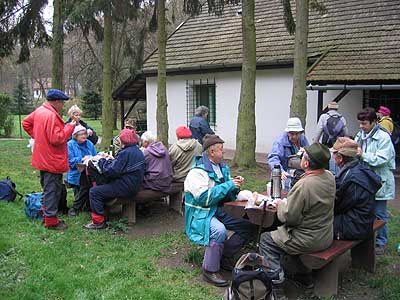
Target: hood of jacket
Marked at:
186, 144
157, 149
361, 175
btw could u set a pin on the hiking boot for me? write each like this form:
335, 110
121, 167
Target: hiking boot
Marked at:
214, 278
278, 293
92, 225
59, 226
304, 281
380, 250
227, 263
72, 212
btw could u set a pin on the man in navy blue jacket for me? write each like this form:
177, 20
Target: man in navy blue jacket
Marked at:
199, 125
125, 173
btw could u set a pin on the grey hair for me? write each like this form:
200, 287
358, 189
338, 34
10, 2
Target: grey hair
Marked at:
201, 110
148, 136
212, 147
74, 108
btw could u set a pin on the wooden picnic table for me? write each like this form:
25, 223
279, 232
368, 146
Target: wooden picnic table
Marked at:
237, 210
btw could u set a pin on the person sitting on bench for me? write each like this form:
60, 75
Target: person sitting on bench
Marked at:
183, 152
158, 169
125, 173
207, 186
307, 214
356, 187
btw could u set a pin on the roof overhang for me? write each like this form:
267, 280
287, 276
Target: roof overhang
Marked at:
134, 88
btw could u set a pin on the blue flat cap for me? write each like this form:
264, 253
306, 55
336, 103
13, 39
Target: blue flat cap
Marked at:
54, 94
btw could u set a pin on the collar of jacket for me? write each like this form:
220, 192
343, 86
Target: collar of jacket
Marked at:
204, 163
347, 166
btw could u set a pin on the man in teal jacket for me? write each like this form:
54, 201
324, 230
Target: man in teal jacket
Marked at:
207, 185
376, 151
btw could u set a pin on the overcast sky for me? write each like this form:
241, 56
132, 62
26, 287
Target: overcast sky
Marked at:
48, 14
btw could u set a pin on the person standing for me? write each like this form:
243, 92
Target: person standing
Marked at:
331, 125
384, 118
199, 125
50, 153
75, 113
376, 150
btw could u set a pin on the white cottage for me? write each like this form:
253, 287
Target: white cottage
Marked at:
353, 58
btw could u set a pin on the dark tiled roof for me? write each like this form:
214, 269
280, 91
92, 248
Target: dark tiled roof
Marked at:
363, 37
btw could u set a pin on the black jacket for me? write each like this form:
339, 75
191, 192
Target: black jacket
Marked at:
355, 199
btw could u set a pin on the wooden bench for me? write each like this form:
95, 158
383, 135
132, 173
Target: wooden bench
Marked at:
174, 201
326, 262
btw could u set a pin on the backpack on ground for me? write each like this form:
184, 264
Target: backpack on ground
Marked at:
33, 205
7, 190
250, 279
333, 129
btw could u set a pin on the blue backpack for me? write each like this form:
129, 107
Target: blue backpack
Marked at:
7, 190
332, 130
33, 205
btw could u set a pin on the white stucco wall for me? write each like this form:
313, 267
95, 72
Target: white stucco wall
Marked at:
273, 93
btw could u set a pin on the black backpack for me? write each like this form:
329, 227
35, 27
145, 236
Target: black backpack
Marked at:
395, 136
332, 130
7, 190
250, 279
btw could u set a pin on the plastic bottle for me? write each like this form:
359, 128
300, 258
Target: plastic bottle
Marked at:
276, 182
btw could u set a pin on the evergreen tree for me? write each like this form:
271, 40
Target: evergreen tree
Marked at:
91, 105
22, 102
6, 119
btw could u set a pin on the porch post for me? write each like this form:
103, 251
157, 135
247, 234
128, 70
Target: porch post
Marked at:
122, 114
320, 103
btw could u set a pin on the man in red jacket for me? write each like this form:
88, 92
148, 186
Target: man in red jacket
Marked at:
50, 152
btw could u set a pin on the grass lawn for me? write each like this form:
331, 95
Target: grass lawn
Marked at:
36, 263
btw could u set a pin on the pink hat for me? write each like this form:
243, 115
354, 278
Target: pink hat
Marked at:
182, 132
384, 111
128, 136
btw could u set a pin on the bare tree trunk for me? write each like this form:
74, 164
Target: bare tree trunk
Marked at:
246, 127
107, 116
57, 46
298, 105
162, 113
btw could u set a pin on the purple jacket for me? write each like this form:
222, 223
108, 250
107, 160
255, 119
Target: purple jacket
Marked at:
158, 170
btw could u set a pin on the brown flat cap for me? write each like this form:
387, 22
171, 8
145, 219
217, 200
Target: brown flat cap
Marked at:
211, 139
345, 146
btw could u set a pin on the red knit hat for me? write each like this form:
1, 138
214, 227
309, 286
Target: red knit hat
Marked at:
128, 136
182, 132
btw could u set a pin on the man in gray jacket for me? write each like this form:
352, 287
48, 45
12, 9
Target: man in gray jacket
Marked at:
183, 152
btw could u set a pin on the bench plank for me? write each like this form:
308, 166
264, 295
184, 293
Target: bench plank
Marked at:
326, 261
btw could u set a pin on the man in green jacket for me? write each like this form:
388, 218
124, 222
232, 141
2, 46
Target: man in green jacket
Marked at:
207, 186
307, 217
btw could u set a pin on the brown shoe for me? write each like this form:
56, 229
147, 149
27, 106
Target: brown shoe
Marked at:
59, 226
214, 278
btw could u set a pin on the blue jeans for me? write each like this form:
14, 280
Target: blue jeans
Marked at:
222, 222
381, 214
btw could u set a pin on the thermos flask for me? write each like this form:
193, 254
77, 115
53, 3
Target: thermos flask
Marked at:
276, 182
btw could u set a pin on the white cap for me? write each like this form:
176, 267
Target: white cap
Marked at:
294, 124
78, 128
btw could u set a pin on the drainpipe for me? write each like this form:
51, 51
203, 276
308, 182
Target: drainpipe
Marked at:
340, 87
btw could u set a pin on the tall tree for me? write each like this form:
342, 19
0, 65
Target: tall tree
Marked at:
21, 101
298, 105
57, 46
162, 104
246, 122
22, 24
107, 117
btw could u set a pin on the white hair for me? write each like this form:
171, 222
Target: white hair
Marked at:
201, 110
74, 108
148, 136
